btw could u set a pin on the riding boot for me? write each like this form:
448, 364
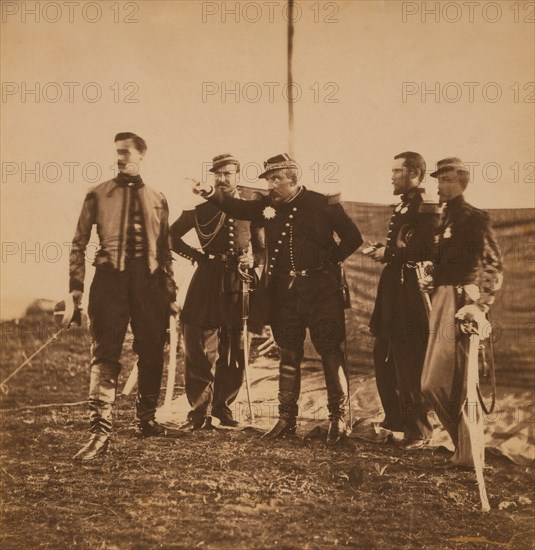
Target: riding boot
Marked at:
289, 389
146, 405
337, 394
102, 391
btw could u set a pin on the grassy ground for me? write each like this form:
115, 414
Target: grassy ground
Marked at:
224, 489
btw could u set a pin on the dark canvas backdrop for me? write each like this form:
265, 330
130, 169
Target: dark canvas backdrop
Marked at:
512, 315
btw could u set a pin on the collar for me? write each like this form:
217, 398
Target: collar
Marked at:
411, 193
455, 203
299, 191
124, 180
295, 199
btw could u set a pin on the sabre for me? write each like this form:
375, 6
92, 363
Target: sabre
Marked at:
172, 366
66, 314
246, 279
423, 270
474, 427
347, 305
3, 384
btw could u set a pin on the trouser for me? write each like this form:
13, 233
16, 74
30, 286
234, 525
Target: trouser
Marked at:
117, 298
325, 321
408, 356
387, 385
214, 369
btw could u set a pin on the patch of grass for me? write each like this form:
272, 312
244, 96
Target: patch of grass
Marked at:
227, 489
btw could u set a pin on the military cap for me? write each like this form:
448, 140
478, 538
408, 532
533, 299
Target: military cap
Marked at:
447, 164
223, 160
278, 162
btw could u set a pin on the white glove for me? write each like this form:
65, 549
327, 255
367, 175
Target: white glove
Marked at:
473, 314
426, 284
246, 261
200, 188
77, 297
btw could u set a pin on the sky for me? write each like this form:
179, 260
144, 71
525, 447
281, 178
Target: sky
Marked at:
197, 79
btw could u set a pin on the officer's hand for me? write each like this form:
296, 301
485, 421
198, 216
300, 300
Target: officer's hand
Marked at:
77, 297
378, 255
426, 284
200, 188
246, 261
471, 314
173, 309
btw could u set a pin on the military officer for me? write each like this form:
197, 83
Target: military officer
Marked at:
133, 283
303, 281
468, 272
212, 313
399, 320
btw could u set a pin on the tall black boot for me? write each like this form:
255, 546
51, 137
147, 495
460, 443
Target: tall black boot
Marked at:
337, 396
289, 389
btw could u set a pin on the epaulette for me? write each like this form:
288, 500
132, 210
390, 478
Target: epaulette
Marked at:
478, 214
430, 207
334, 197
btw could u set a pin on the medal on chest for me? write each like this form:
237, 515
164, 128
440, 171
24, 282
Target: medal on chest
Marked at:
269, 213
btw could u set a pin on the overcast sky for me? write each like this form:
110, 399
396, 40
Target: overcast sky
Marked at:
197, 79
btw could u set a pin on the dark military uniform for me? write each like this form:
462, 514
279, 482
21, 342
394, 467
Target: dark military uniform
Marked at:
303, 284
399, 320
468, 270
212, 313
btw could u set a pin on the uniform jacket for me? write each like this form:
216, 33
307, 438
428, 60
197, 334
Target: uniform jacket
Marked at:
212, 299
301, 252
399, 310
467, 251
106, 206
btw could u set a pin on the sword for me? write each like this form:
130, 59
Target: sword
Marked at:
246, 279
3, 385
347, 305
66, 314
172, 365
474, 425
423, 270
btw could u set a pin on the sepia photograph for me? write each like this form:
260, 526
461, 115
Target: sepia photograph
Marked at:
267, 274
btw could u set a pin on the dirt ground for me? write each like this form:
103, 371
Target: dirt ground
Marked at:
223, 489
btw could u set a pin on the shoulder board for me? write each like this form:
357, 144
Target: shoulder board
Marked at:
428, 207
334, 197
475, 212
330, 197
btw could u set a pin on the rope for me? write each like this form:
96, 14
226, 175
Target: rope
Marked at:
43, 406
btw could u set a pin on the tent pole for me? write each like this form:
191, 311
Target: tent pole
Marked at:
290, 82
